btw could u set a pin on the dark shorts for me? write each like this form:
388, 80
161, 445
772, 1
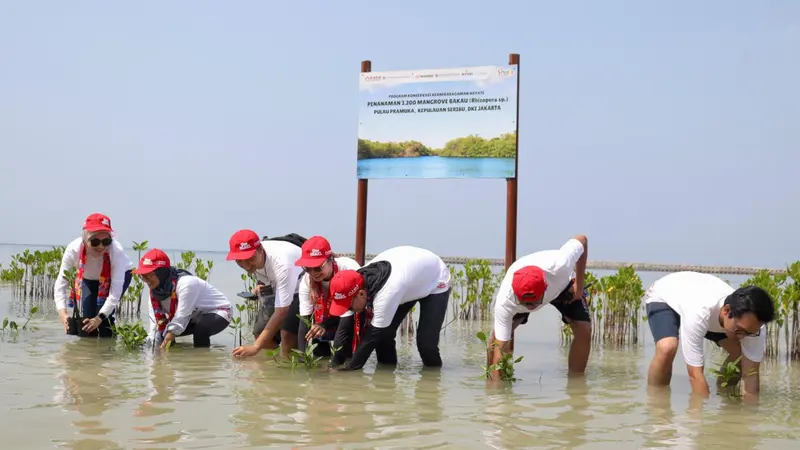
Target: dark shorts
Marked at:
575, 311
267, 308
665, 322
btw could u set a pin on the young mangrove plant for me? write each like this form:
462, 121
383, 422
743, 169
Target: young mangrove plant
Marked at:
473, 289
505, 366
13, 327
237, 325
132, 336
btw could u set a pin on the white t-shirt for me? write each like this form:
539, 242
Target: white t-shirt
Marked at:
280, 272
558, 266
120, 263
698, 298
306, 305
195, 297
416, 274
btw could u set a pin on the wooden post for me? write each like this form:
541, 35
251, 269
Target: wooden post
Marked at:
511, 184
361, 205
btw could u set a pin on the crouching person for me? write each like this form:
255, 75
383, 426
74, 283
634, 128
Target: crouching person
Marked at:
181, 304
688, 308
386, 289
320, 265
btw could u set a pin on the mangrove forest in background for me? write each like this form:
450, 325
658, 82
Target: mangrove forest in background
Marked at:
472, 146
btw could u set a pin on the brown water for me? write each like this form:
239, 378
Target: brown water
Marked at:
60, 391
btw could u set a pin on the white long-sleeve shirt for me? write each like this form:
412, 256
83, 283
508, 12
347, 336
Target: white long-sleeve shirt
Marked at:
195, 297
120, 263
280, 272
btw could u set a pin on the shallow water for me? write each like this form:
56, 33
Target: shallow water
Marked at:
61, 391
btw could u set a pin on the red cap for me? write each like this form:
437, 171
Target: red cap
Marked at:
243, 245
344, 286
151, 261
529, 284
97, 222
316, 250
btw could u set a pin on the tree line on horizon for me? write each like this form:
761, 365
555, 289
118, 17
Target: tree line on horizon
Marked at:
472, 146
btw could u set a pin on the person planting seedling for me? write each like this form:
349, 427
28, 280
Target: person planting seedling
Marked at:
697, 306
181, 304
272, 262
386, 290
103, 276
536, 280
320, 265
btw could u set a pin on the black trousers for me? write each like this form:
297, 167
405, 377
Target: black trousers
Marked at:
202, 328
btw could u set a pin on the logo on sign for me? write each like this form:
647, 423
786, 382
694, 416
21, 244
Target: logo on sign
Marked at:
505, 72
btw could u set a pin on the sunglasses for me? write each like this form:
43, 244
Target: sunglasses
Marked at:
315, 269
743, 332
94, 242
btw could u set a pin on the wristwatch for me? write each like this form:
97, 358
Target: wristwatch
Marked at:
101, 316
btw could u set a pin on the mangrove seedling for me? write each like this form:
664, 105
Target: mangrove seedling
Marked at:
131, 336
505, 366
237, 324
14, 327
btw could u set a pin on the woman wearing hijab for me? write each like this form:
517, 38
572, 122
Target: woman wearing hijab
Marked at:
320, 265
103, 276
181, 304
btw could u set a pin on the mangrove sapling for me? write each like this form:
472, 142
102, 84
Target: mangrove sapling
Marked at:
132, 336
505, 366
14, 327
237, 325
729, 375
138, 247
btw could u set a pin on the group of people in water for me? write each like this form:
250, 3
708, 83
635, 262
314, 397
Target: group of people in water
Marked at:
360, 308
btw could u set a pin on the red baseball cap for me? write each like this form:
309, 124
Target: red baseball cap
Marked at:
529, 284
97, 222
344, 286
243, 245
316, 250
151, 261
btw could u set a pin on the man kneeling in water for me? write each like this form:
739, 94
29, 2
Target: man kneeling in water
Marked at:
181, 304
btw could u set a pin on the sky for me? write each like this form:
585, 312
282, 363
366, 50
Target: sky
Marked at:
435, 129
664, 131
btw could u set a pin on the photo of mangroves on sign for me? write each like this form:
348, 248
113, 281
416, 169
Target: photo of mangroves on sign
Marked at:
441, 123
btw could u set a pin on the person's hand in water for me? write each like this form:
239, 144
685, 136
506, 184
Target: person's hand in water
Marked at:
90, 325
246, 351
62, 316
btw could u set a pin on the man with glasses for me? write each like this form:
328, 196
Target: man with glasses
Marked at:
272, 262
697, 306
536, 280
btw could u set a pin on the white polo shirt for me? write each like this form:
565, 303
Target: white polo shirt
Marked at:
416, 274
306, 304
195, 297
558, 266
280, 272
120, 263
698, 298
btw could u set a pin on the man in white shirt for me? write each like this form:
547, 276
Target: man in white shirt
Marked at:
383, 293
701, 307
538, 279
273, 263
181, 304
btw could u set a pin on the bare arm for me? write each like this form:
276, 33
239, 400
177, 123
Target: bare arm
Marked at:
698, 381
750, 379
495, 353
580, 266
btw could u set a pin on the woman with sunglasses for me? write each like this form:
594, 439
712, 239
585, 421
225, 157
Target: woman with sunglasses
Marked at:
534, 281
103, 276
181, 304
320, 265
